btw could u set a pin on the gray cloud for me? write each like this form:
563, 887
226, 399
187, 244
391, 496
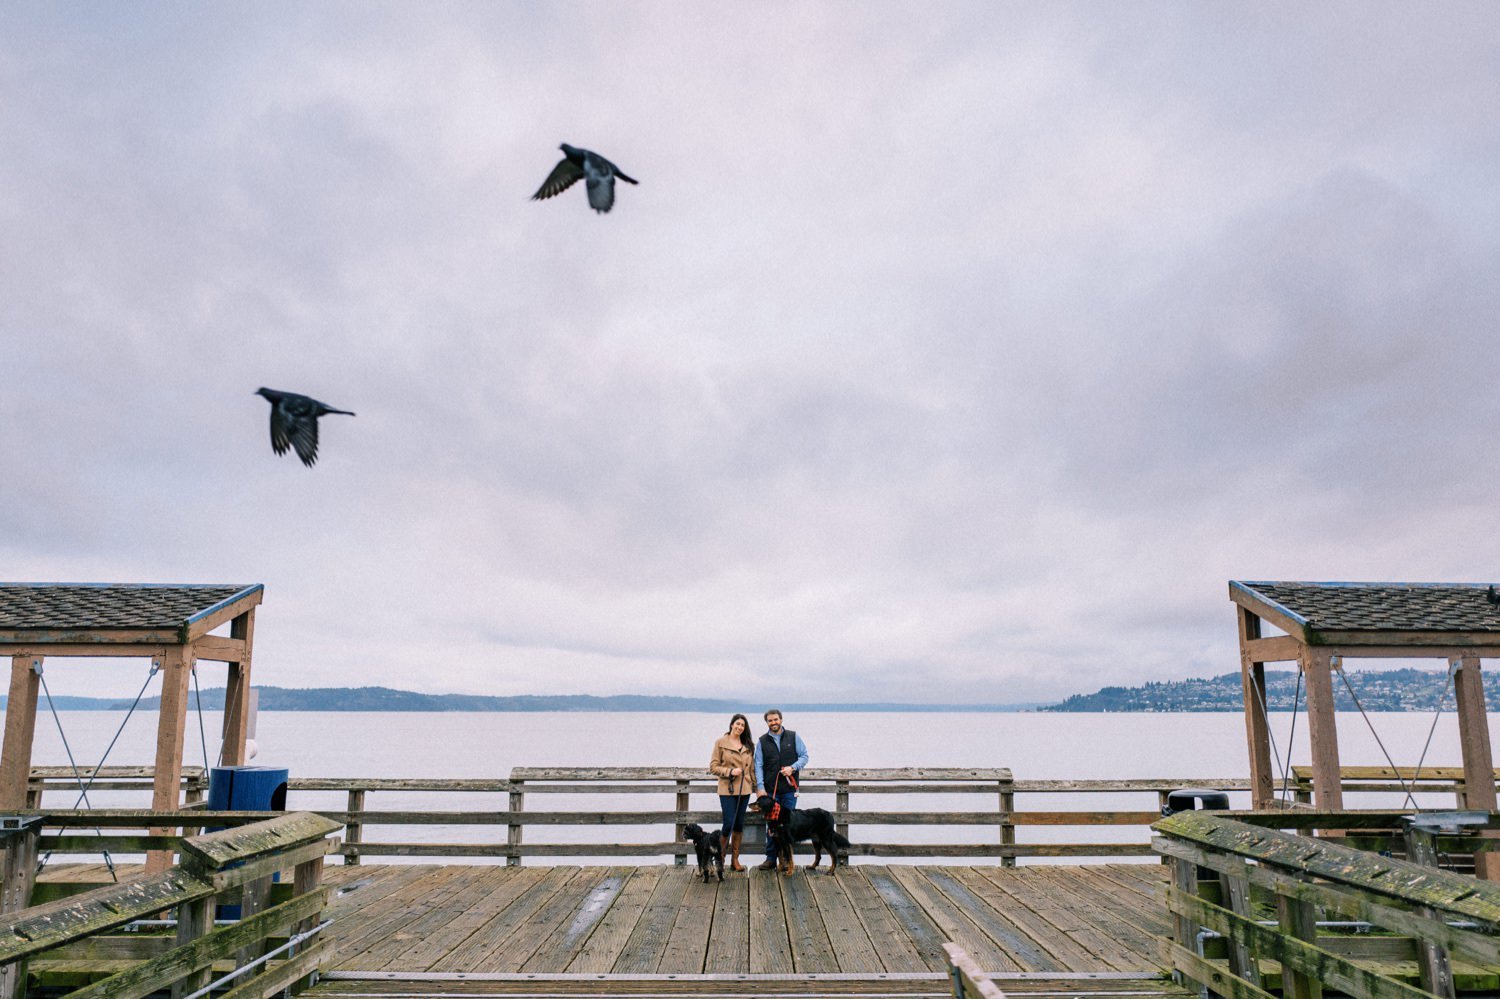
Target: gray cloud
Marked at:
940, 354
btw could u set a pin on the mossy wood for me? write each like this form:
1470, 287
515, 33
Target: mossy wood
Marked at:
41, 927
1454, 895
166, 969
1307, 958
269, 836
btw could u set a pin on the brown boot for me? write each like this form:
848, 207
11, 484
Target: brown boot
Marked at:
769, 865
734, 851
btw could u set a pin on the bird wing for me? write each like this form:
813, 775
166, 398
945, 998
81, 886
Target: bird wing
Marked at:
279, 440
303, 431
562, 177
601, 193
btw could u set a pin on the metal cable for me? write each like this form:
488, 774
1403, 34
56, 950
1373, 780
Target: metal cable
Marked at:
202, 736
1291, 736
1270, 735
83, 788
139, 694
1394, 769
1443, 700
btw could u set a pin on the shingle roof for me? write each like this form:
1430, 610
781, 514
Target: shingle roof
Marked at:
1328, 607
56, 606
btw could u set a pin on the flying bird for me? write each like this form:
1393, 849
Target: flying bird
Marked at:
598, 176
294, 422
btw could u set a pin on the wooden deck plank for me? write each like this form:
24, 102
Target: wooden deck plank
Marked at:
812, 950
648, 939
601, 886
509, 950
437, 905
1078, 942
378, 910
492, 889
770, 945
925, 936
935, 987
1027, 954
952, 921
1114, 904
1029, 915
729, 939
687, 944
603, 947
896, 951
847, 937
470, 955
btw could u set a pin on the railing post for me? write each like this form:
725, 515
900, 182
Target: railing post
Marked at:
354, 828
841, 807
513, 831
1185, 928
1007, 822
1298, 919
19, 874
1237, 898
680, 858
1432, 959
194, 919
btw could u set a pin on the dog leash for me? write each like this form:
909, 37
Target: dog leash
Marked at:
775, 785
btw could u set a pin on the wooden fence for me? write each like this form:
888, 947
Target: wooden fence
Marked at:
1257, 908
107, 941
990, 793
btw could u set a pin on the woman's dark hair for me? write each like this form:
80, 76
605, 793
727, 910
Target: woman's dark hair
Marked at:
745, 739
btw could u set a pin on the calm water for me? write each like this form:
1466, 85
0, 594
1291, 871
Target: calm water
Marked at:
1195, 747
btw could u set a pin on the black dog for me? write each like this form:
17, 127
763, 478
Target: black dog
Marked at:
710, 846
793, 825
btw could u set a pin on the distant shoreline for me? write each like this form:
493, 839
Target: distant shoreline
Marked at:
387, 699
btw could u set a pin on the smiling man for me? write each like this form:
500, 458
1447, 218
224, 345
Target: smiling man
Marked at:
780, 756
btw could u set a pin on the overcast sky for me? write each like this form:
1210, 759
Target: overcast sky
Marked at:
945, 352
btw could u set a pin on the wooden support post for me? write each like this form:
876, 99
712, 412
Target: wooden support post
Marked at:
679, 857
1007, 822
841, 807
171, 733
19, 878
1237, 899
1185, 929
194, 919
1298, 919
237, 693
306, 877
354, 829
1432, 959
20, 727
1257, 727
1322, 730
513, 833
1474, 741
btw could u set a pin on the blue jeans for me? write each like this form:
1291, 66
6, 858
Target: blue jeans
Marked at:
787, 799
733, 807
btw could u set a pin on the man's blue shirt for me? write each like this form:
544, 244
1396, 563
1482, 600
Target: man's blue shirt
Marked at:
800, 765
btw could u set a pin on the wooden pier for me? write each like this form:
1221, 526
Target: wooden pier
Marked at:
869, 929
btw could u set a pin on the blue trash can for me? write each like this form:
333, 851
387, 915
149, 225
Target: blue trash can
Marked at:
246, 789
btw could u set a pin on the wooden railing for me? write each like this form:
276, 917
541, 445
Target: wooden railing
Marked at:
966, 977
1257, 908
69, 941
1387, 781
502, 833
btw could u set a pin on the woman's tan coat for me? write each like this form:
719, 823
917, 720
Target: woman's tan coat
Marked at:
728, 754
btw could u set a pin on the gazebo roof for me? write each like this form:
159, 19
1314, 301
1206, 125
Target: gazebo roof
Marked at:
1374, 613
82, 613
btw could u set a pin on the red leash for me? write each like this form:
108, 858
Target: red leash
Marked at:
776, 805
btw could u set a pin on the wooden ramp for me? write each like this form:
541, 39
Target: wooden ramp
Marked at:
872, 930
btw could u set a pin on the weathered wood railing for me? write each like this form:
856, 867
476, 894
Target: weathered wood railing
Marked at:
1279, 906
501, 833
1387, 781
68, 941
968, 979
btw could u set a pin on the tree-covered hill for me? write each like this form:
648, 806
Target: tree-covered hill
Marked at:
1377, 690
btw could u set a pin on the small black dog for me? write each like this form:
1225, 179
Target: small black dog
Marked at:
794, 825
710, 846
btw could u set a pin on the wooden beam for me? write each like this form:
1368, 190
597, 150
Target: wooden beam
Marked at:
84, 651
205, 621
171, 733
1277, 615
20, 728
1351, 651
1474, 743
218, 649
237, 691
1409, 639
87, 636
1322, 729
1257, 726
1276, 649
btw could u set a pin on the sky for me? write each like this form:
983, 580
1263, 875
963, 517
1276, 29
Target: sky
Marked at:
947, 352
